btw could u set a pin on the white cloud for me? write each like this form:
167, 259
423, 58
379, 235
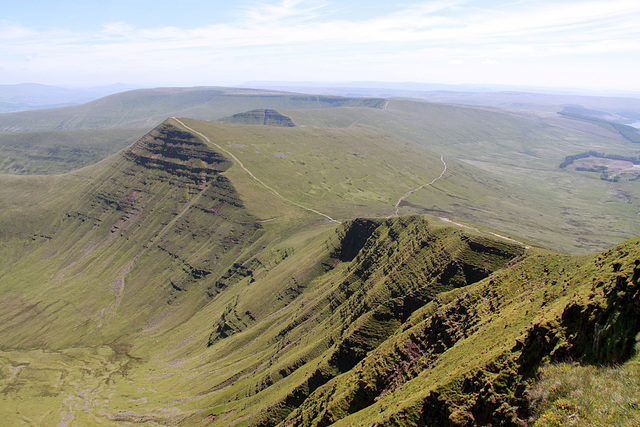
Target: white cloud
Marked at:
257, 13
117, 29
298, 37
11, 31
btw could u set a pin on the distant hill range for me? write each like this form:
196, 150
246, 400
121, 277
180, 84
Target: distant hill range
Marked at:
618, 106
32, 96
58, 140
145, 108
494, 151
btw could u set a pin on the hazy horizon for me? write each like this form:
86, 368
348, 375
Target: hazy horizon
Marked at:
320, 86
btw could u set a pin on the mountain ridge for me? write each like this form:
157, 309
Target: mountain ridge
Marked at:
166, 285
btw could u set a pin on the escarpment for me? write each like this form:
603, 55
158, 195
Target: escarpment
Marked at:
265, 117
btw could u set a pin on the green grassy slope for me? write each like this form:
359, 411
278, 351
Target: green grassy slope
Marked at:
55, 152
517, 155
167, 285
114, 263
570, 394
469, 357
63, 139
342, 172
133, 209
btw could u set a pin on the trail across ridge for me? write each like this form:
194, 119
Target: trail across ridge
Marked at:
235, 159
408, 193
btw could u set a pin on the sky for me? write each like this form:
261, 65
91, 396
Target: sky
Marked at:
592, 45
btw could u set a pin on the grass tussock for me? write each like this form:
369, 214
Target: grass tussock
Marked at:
576, 395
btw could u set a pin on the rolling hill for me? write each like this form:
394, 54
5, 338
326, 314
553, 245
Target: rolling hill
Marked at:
385, 265
518, 156
31, 96
72, 137
145, 108
55, 152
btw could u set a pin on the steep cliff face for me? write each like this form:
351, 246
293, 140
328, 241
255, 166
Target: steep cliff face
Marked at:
468, 357
261, 117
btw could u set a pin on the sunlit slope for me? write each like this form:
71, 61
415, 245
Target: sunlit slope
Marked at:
367, 279
344, 173
151, 260
469, 357
32, 207
518, 154
284, 321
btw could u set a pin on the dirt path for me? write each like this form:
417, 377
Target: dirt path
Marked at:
407, 194
235, 159
499, 236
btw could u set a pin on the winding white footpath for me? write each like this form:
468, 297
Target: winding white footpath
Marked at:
408, 193
235, 159
396, 207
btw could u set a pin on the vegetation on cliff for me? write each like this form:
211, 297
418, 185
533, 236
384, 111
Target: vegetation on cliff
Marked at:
168, 285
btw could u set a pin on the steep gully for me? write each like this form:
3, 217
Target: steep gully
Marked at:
118, 287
